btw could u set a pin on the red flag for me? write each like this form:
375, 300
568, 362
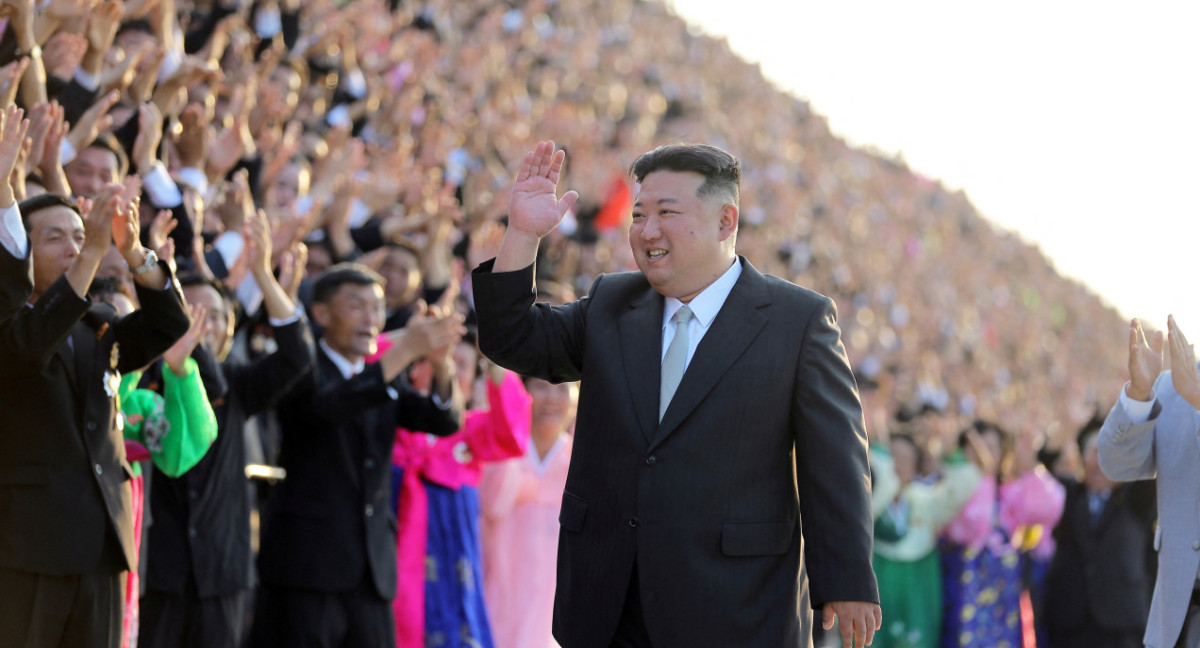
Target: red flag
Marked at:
618, 205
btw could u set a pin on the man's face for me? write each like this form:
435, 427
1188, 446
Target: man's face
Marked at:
113, 265
55, 238
681, 242
403, 274
219, 317
91, 170
352, 319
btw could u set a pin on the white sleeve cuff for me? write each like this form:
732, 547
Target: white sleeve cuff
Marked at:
194, 178
229, 245
164, 194
1137, 411
87, 79
441, 404
66, 151
339, 116
12, 232
287, 320
356, 84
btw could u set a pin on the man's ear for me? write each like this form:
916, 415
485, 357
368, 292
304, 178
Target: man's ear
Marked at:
320, 313
729, 221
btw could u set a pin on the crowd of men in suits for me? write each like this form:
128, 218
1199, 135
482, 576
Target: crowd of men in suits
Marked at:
682, 516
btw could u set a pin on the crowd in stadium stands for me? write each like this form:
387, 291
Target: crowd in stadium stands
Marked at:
284, 156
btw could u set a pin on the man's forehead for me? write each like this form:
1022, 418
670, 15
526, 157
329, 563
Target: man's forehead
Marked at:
55, 217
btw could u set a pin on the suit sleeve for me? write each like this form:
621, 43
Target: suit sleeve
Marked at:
832, 467
16, 277
1125, 448
522, 336
266, 381
144, 334
32, 335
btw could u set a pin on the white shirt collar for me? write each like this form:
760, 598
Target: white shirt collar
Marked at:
348, 369
708, 303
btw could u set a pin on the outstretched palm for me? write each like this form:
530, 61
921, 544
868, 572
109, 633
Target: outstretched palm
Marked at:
1183, 365
534, 206
1145, 361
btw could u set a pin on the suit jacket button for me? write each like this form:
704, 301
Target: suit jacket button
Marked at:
91, 425
633, 522
651, 460
192, 494
369, 463
370, 510
99, 470
1196, 545
192, 532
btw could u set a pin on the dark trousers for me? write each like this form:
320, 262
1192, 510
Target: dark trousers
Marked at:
298, 618
188, 621
631, 629
48, 611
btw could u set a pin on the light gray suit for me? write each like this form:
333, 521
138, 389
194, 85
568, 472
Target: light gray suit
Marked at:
1166, 447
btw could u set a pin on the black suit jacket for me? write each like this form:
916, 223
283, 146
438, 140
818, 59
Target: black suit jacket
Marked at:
1102, 575
329, 523
63, 471
202, 518
757, 471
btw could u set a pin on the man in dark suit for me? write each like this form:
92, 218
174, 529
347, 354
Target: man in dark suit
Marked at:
200, 576
1101, 578
719, 433
328, 555
66, 527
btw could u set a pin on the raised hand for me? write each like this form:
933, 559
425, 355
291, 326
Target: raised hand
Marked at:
63, 53
93, 121
150, 131
160, 228
1183, 364
177, 355
533, 206
13, 127
102, 25
1145, 361
126, 221
10, 80
40, 122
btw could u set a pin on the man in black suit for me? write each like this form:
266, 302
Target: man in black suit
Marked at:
66, 526
693, 494
328, 555
200, 576
1101, 579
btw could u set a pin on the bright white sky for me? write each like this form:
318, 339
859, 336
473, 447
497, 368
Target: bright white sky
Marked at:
1076, 124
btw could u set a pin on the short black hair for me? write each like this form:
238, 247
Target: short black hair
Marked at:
34, 204
105, 286
983, 427
194, 279
1089, 429
328, 283
110, 143
722, 172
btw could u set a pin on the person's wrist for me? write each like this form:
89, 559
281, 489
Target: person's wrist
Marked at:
1137, 394
135, 256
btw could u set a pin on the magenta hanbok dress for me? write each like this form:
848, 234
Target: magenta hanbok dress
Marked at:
439, 596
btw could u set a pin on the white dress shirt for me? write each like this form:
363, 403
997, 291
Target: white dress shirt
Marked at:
705, 307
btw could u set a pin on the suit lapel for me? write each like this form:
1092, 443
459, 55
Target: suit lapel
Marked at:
641, 349
737, 325
85, 360
67, 358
